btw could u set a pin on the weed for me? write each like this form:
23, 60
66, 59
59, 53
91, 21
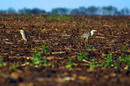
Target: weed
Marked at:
109, 58
127, 22
45, 62
99, 22
93, 64
108, 61
2, 63
127, 61
122, 57
70, 63
28, 63
123, 48
56, 17
60, 22
66, 17
116, 64
44, 48
36, 59
74, 22
42, 17
105, 64
116, 21
14, 66
90, 47
82, 56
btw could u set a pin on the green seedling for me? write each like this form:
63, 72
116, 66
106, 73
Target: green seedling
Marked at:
56, 17
116, 64
37, 60
70, 63
105, 64
44, 48
28, 63
2, 63
127, 61
93, 64
99, 22
109, 58
116, 21
45, 62
103, 54
74, 22
14, 66
66, 17
108, 61
82, 24
127, 22
123, 48
90, 47
42, 17
82, 56
122, 57
60, 22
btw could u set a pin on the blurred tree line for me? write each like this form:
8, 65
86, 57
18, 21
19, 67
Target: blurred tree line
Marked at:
91, 10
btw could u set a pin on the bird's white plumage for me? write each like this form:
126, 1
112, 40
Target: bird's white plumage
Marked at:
88, 34
23, 34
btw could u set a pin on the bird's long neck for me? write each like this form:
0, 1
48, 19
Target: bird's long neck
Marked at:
91, 33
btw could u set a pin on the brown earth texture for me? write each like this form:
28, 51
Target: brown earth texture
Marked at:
55, 54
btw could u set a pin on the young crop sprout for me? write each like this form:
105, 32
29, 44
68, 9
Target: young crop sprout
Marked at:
24, 34
93, 64
82, 56
70, 63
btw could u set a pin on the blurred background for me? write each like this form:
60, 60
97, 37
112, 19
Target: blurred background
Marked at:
68, 7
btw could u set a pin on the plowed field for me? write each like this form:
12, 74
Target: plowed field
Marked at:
102, 60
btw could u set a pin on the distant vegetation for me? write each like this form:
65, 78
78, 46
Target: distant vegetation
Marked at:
91, 10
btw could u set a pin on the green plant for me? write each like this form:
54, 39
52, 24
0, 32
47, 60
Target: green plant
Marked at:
42, 17
66, 17
123, 48
93, 64
56, 17
28, 63
82, 56
70, 63
127, 61
2, 63
45, 62
127, 22
108, 61
116, 21
90, 47
115, 64
14, 66
109, 58
122, 57
105, 64
36, 59
44, 48
74, 22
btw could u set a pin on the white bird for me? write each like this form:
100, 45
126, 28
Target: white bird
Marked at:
88, 34
24, 34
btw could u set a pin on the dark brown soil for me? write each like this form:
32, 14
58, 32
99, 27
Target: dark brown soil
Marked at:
63, 41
